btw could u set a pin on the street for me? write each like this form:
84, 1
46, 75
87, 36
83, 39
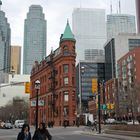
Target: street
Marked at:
58, 133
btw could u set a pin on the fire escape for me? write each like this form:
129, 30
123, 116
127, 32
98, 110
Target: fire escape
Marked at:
52, 89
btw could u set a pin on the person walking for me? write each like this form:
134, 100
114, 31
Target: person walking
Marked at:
42, 133
25, 133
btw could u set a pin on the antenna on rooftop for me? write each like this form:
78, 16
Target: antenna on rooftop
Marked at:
0, 4
119, 7
110, 7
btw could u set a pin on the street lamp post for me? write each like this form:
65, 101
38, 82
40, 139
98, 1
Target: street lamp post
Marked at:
99, 106
37, 87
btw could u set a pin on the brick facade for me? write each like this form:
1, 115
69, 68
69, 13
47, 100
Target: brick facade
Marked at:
58, 85
129, 83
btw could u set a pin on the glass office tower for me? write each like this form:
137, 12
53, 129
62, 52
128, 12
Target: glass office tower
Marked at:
34, 37
5, 41
138, 14
89, 28
120, 23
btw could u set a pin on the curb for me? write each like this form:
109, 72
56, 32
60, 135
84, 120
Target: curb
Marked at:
124, 133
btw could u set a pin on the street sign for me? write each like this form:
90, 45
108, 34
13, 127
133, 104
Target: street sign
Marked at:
40, 103
33, 103
94, 86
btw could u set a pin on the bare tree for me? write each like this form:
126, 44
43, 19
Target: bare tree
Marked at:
18, 108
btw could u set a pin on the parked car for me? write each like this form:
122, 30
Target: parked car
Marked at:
131, 122
8, 125
110, 121
19, 123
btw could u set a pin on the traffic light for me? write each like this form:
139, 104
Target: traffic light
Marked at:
96, 105
112, 106
94, 86
108, 106
27, 87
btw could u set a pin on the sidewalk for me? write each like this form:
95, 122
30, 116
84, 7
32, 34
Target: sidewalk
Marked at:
88, 131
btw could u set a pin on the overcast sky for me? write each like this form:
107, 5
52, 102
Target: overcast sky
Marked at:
56, 13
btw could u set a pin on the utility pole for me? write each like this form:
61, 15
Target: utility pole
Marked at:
99, 111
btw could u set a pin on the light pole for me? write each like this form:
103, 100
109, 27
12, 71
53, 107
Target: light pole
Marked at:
99, 106
37, 87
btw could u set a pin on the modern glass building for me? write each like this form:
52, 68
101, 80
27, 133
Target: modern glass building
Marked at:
94, 55
138, 15
34, 37
5, 41
110, 67
89, 29
120, 23
116, 48
85, 72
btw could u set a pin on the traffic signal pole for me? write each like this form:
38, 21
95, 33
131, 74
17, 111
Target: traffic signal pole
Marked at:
99, 105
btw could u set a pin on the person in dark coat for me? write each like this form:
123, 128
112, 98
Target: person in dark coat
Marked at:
42, 133
25, 133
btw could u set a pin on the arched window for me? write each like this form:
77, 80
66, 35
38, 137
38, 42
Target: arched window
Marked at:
65, 50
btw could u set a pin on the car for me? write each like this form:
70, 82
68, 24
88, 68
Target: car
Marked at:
135, 122
19, 123
8, 125
110, 121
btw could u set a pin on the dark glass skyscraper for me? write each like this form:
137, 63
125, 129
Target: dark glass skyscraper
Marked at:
34, 37
5, 41
138, 14
85, 72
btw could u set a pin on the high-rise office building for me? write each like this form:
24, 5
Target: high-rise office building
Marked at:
115, 49
16, 58
34, 37
120, 23
89, 29
138, 14
5, 40
94, 55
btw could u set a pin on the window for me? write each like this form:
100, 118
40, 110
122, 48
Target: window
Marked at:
73, 68
66, 96
66, 68
66, 110
66, 81
65, 50
73, 96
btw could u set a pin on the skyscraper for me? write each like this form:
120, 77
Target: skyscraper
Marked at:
34, 37
94, 55
5, 40
120, 23
89, 29
138, 14
16, 58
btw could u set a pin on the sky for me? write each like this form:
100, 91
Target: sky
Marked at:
56, 13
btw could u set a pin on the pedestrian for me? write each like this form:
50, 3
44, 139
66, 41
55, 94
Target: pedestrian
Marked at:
42, 133
25, 133
95, 125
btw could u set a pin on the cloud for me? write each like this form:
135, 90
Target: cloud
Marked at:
56, 14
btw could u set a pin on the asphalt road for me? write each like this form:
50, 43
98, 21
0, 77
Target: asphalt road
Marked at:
60, 133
